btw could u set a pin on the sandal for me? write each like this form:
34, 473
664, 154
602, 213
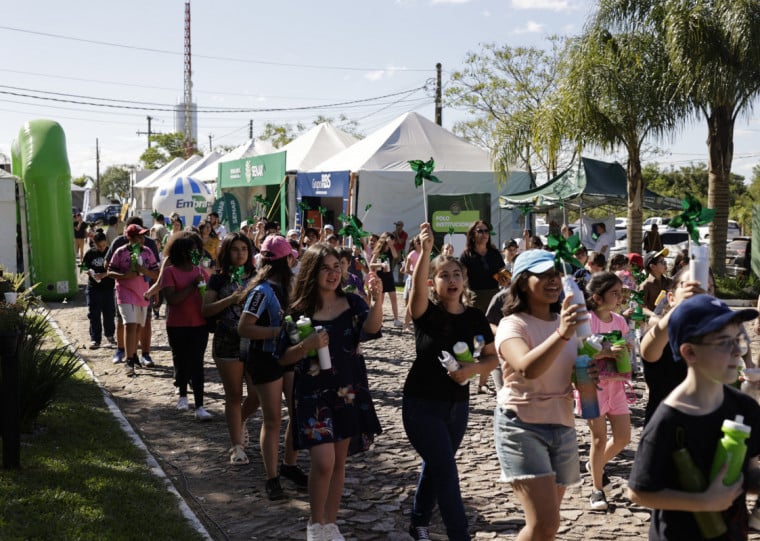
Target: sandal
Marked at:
237, 455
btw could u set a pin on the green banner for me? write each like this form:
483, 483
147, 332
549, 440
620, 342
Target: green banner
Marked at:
254, 171
228, 208
456, 213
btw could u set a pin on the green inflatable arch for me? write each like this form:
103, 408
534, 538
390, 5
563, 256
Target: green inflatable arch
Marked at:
39, 159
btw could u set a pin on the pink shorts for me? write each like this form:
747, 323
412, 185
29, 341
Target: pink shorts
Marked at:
611, 396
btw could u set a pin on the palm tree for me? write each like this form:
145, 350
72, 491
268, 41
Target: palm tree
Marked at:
615, 92
713, 48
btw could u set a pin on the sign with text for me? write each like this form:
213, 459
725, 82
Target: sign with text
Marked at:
263, 170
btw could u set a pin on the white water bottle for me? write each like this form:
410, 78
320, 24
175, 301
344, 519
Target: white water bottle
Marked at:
448, 361
699, 264
323, 353
571, 289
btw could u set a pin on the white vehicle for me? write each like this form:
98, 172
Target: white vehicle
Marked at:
732, 232
659, 221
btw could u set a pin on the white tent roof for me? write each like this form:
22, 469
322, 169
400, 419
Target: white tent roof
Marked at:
147, 181
252, 147
316, 145
409, 137
386, 180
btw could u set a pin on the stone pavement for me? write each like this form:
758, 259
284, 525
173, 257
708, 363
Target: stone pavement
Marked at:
231, 502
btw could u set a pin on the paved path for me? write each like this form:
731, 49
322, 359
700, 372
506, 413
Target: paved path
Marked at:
231, 502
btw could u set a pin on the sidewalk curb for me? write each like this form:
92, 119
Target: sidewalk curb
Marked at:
150, 460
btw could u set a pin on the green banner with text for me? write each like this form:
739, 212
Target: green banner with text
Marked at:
263, 170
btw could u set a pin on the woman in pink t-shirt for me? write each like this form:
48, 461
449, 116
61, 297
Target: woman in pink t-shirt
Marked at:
183, 284
534, 428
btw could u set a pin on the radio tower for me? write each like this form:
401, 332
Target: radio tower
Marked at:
188, 105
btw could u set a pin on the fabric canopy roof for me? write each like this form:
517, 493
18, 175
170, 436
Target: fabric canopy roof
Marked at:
318, 144
593, 183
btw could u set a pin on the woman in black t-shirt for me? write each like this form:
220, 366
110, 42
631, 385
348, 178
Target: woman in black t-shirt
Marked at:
435, 405
482, 261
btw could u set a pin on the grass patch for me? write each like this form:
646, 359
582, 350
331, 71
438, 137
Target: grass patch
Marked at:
82, 478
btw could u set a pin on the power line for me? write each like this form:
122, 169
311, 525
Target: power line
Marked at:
145, 106
208, 57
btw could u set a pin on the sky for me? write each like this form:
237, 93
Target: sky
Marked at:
280, 62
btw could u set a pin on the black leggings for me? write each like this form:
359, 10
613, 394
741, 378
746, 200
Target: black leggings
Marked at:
188, 350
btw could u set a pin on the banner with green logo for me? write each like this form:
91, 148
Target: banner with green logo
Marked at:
253, 171
228, 208
456, 213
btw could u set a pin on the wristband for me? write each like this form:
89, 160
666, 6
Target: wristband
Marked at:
563, 338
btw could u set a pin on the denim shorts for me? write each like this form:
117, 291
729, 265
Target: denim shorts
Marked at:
528, 450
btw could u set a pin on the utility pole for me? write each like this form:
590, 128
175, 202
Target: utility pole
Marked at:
210, 146
97, 172
250, 129
438, 101
149, 132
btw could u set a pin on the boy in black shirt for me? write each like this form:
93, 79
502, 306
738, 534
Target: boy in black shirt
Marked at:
99, 292
708, 336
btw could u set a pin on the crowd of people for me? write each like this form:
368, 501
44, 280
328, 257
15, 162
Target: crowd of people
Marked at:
287, 315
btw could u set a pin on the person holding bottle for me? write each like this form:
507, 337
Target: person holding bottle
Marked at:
182, 284
534, 427
222, 304
267, 300
435, 406
709, 338
383, 254
604, 296
333, 414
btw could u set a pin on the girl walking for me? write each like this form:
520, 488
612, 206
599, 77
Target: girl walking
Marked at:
333, 412
266, 303
223, 305
604, 297
182, 283
435, 407
383, 256
534, 427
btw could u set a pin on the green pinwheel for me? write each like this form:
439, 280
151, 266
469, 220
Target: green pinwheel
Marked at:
236, 275
564, 250
259, 200
134, 253
352, 229
322, 211
195, 256
424, 171
155, 214
366, 211
303, 206
692, 217
638, 313
310, 221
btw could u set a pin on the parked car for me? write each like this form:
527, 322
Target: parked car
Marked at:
732, 232
102, 212
659, 221
739, 256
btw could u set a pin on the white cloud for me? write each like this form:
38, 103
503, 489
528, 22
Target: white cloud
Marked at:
552, 5
485, 13
531, 27
387, 73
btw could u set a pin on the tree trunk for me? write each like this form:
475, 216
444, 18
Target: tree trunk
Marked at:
635, 200
720, 148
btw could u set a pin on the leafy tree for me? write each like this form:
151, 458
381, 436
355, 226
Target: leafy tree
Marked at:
81, 180
713, 48
280, 134
114, 182
166, 147
342, 123
503, 88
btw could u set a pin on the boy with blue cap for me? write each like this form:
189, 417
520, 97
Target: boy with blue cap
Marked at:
709, 337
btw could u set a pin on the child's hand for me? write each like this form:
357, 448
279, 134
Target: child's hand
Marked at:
719, 497
374, 286
568, 317
426, 237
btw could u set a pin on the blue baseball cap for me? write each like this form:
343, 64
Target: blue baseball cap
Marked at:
700, 315
535, 261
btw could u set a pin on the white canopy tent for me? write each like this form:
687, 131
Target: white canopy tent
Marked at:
386, 181
252, 147
316, 145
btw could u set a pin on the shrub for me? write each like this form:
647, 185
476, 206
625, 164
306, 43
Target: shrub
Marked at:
742, 287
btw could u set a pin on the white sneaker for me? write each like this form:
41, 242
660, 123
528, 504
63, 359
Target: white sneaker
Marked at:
314, 532
398, 324
182, 404
202, 415
330, 532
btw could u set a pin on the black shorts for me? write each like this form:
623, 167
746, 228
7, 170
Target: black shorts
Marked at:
226, 343
387, 279
262, 367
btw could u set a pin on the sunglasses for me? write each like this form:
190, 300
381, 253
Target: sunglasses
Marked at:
481, 231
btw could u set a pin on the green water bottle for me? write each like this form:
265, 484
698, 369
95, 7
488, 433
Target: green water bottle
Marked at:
623, 358
462, 352
591, 345
691, 479
305, 329
732, 448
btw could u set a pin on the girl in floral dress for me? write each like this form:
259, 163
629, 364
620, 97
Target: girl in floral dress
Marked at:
333, 411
